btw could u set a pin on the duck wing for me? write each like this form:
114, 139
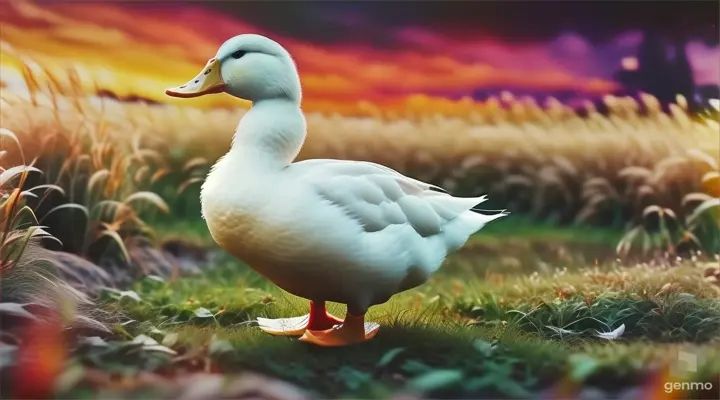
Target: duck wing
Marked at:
378, 197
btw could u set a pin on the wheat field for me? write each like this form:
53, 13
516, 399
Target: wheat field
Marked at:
637, 166
546, 160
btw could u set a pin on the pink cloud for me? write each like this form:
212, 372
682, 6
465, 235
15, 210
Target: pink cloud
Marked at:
705, 62
421, 37
568, 53
572, 44
630, 39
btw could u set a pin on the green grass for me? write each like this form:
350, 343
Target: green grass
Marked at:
515, 228
192, 229
508, 316
454, 334
521, 227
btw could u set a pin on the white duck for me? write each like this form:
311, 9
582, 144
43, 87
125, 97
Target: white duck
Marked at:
350, 232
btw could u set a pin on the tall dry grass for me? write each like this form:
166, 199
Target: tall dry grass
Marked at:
88, 190
547, 161
33, 295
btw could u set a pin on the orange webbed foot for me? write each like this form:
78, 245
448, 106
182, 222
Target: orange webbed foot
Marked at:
352, 331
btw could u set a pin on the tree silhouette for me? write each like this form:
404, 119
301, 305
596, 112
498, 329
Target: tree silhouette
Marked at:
682, 79
658, 74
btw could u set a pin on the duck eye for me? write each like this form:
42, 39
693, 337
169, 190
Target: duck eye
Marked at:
238, 54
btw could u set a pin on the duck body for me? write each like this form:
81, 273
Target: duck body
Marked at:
350, 232
330, 230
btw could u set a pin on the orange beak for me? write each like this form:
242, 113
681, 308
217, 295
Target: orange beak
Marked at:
208, 81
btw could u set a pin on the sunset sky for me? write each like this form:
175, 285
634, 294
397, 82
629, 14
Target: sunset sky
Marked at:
374, 51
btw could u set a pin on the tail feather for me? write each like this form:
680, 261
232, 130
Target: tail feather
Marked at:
482, 210
485, 218
456, 205
455, 234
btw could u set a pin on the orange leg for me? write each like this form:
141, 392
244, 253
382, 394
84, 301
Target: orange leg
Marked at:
353, 330
318, 319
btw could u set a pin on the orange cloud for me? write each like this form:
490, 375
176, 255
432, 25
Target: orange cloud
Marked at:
142, 48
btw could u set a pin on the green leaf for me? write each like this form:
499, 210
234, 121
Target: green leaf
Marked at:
74, 206
512, 388
48, 187
155, 278
296, 371
170, 339
353, 378
109, 293
119, 329
130, 294
144, 340
159, 348
95, 341
203, 313
150, 344
219, 346
625, 244
114, 236
476, 384
156, 333
389, 356
437, 379
646, 242
582, 366
483, 347
498, 369
701, 209
415, 367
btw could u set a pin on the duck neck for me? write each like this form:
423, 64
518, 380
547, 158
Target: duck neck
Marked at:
271, 134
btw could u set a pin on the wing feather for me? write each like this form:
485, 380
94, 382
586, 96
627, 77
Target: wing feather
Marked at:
420, 215
378, 197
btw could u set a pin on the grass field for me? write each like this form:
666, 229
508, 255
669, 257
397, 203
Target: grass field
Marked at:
615, 228
480, 329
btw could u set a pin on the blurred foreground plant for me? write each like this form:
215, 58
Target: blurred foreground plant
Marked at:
35, 307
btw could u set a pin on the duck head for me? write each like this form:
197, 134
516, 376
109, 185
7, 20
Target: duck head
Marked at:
250, 67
